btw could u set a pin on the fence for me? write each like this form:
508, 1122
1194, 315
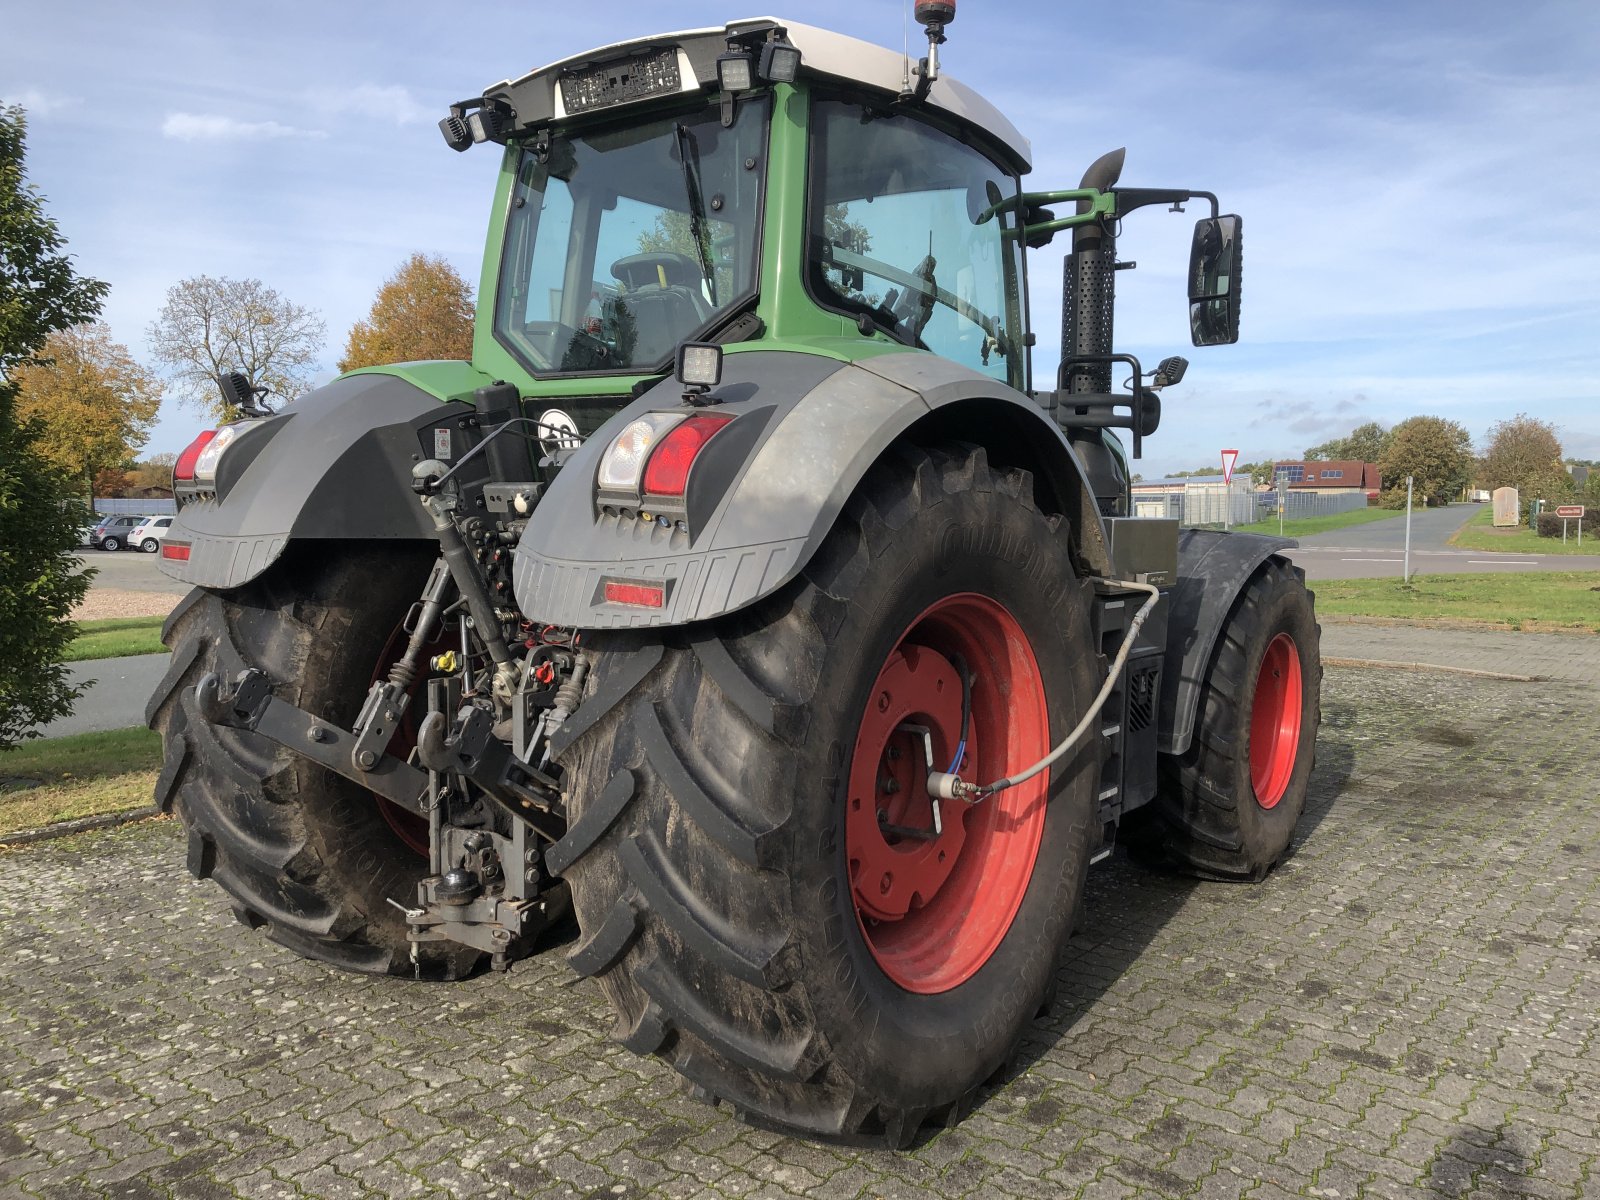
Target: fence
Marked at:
1213, 504
118, 507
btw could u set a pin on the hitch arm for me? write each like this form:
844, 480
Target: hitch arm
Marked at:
250, 705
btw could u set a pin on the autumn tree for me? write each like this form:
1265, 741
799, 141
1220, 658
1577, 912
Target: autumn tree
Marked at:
210, 326
423, 311
1435, 452
93, 402
1525, 453
1365, 443
40, 294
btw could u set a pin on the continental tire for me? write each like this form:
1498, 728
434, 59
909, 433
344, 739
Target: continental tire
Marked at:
726, 860
306, 855
1227, 808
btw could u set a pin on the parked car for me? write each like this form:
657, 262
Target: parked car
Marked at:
112, 532
148, 535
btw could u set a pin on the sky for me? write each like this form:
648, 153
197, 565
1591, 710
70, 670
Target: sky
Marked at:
1416, 179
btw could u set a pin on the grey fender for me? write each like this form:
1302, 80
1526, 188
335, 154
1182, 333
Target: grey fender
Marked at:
1213, 568
771, 485
334, 464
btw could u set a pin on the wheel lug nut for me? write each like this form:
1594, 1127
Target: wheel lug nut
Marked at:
886, 883
888, 786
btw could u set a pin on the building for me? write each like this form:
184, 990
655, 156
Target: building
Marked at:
1337, 477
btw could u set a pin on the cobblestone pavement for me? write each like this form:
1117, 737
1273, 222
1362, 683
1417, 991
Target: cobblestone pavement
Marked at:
1407, 1007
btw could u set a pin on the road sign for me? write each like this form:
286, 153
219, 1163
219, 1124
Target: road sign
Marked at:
1569, 510
1229, 457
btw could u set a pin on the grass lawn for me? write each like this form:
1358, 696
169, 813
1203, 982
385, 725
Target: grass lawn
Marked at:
1540, 600
84, 775
1480, 534
115, 637
1305, 526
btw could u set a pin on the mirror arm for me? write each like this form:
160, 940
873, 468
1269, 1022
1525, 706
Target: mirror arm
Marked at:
1128, 199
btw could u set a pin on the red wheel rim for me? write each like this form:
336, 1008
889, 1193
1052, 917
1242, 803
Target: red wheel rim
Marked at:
934, 909
1275, 721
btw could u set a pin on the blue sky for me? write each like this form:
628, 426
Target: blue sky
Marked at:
1417, 179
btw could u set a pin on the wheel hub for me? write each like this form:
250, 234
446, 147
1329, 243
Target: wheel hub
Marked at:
898, 860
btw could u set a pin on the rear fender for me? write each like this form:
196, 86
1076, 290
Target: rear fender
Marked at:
334, 464
767, 490
1213, 568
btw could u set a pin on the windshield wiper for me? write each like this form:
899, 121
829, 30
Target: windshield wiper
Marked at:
689, 153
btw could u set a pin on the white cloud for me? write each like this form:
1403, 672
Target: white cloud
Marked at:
210, 127
38, 104
382, 102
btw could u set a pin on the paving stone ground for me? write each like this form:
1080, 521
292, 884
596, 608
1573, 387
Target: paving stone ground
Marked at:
1409, 1006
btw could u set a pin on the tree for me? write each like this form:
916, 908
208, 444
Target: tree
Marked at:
1525, 453
1435, 452
209, 326
40, 293
93, 403
424, 310
1366, 443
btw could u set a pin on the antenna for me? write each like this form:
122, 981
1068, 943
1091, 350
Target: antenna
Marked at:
905, 47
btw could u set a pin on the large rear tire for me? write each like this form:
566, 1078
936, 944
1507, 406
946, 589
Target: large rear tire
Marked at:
1228, 807
304, 853
744, 908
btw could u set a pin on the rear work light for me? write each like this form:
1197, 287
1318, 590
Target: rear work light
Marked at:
183, 469
667, 473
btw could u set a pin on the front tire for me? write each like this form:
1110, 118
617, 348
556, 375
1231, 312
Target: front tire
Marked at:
726, 860
1228, 807
304, 853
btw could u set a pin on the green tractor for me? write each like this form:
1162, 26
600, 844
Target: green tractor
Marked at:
743, 596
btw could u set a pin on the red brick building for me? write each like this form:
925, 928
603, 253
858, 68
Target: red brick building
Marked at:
1337, 477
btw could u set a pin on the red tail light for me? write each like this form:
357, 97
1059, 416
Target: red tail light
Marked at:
183, 469
178, 551
641, 595
667, 473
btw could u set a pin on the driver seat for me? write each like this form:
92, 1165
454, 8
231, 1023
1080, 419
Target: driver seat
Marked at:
661, 290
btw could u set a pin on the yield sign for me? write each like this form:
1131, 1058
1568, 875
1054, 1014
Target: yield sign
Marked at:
1229, 457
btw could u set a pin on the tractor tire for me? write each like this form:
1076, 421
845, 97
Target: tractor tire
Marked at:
1227, 807
111, 543
304, 853
749, 917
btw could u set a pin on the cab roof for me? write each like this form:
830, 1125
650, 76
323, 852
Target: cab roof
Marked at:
536, 99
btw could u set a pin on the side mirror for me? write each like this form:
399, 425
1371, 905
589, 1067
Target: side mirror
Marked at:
1215, 261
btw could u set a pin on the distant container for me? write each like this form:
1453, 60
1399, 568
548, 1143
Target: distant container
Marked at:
1506, 512
1478, 495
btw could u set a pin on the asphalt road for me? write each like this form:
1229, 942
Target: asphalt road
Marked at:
130, 569
115, 699
1378, 549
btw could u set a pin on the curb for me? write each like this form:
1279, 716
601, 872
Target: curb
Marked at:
61, 829
1422, 666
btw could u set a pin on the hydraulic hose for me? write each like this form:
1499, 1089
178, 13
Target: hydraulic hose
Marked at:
949, 786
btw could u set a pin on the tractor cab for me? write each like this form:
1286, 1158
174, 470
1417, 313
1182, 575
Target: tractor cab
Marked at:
768, 182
